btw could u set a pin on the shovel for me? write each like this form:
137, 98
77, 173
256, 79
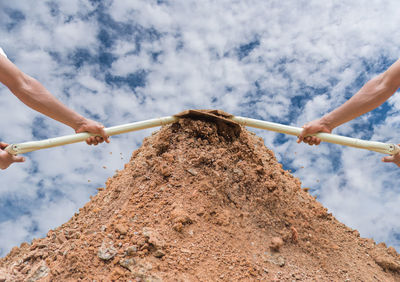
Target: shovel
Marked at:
211, 115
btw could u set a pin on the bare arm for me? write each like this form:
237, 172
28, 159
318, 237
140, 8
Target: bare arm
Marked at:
373, 94
32, 93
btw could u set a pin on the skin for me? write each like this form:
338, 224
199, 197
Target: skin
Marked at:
33, 94
373, 94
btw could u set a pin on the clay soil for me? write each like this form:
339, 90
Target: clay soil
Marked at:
202, 201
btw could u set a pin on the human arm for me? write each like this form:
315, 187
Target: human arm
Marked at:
32, 93
373, 94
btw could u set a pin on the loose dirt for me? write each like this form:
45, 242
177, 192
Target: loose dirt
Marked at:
202, 201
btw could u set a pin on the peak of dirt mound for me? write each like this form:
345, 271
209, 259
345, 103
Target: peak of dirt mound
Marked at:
202, 201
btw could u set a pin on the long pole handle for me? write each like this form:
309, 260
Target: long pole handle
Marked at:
379, 147
79, 137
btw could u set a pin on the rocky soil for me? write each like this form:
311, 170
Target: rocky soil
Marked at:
202, 201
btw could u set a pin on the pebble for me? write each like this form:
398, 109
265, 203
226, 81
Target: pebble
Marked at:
106, 252
121, 229
276, 244
131, 250
127, 263
159, 253
41, 272
192, 171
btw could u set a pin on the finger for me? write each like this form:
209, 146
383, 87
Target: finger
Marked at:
315, 140
89, 141
308, 140
97, 140
388, 159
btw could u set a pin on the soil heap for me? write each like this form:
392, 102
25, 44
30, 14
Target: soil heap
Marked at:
202, 200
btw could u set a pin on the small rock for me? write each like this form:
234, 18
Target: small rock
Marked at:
127, 263
192, 171
392, 251
387, 263
276, 244
153, 237
131, 250
279, 260
180, 218
159, 253
178, 227
238, 172
121, 229
40, 272
106, 252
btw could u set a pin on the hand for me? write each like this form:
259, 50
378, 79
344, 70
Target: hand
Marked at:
392, 159
94, 127
6, 159
311, 128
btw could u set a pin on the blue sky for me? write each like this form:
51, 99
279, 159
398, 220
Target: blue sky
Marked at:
124, 61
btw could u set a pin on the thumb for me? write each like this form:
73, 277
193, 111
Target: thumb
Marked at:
3, 145
18, 159
104, 135
300, 138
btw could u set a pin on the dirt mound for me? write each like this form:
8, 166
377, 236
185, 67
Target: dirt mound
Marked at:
200, 202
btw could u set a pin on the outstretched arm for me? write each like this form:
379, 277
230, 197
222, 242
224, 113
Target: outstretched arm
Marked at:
32, 93
373, 94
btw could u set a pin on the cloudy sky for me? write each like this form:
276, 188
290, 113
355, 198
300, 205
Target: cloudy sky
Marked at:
124, 61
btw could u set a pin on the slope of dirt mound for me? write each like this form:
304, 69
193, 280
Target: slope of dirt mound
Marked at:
201, 202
